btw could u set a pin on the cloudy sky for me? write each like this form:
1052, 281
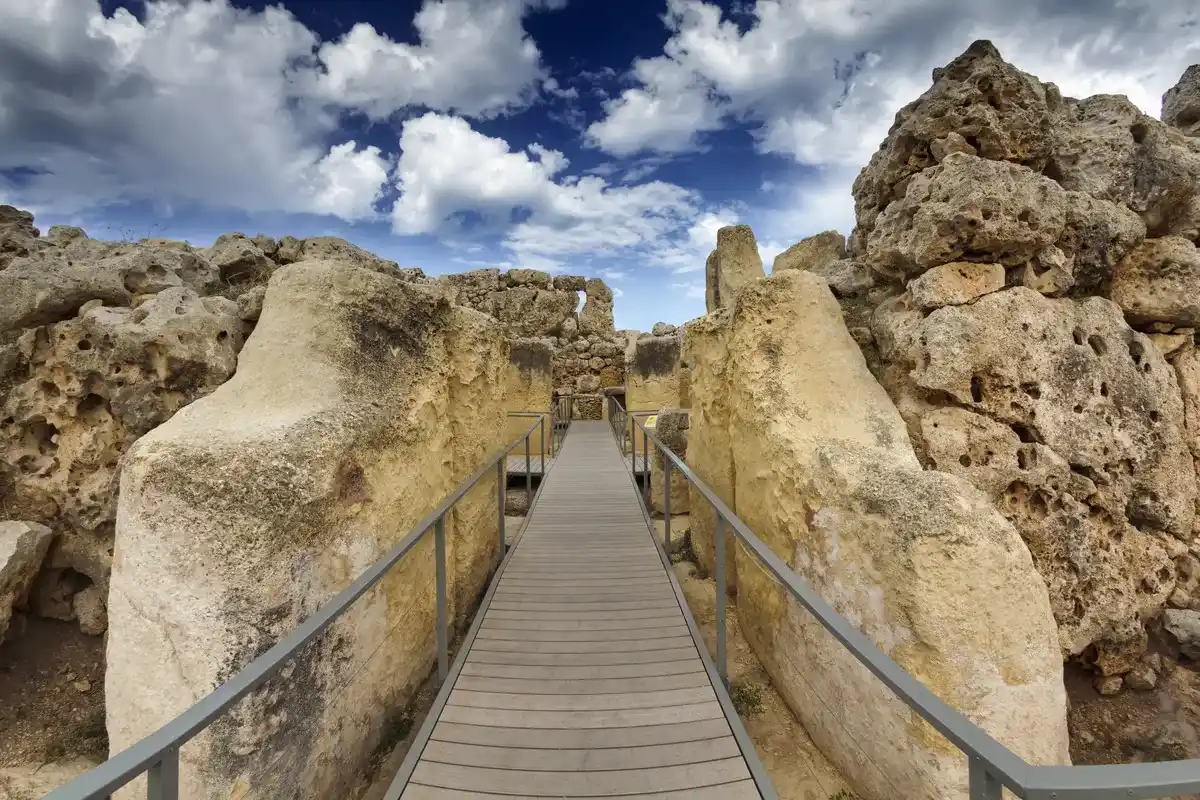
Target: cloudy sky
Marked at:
603, 137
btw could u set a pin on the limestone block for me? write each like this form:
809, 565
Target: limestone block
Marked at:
1181, 103
955, 283
920, 561
23, 545
1159, 281
597, 314
360, 401
812, 253
529, 386
589, 406
710, 455
738, 261
652, 379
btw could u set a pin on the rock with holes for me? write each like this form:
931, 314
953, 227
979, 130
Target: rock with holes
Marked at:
652, 374
1073, 424
1106, 147
979, 104
596, 318
84, 390
955, 283
812, 253
239, 260
23, 545
735, 263
18, 236
1159, 281
968, 208
1181, 103
920, 561
52, 285
359, 403
671, 428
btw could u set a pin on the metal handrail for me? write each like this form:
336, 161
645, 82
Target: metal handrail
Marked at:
991, 765
158, 754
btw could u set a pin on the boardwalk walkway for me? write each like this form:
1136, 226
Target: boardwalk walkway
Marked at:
584, 679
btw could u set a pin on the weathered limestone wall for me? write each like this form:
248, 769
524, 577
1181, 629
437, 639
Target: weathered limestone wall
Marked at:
920, 561
652, 377
529, 386
358, 404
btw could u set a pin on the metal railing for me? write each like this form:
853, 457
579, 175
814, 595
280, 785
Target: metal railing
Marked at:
991, 766
157, 755
621, 421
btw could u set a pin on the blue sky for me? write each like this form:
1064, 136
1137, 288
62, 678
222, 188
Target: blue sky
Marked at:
602, 137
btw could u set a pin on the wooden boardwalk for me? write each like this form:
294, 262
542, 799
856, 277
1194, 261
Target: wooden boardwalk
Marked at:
584, 679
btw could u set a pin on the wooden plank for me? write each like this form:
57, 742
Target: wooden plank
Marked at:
666, 698
581, 784
487, 633
627, 646
494, 624
581, 659
582, 760
529, 685
691, 664
739, 790
623, 718
580, 738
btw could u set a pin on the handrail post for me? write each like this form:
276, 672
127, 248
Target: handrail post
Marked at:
162, 781
646, 468
633, 458
719, 542
442, 639
667, 504
983, 785
500, 487
542, 427
528, 475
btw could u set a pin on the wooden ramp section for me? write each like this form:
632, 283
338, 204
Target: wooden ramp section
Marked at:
584, 679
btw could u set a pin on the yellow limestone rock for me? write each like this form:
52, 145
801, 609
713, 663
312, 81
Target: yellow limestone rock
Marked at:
359, 403
918, 560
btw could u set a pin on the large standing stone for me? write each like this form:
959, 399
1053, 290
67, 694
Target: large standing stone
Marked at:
23, 545
1181, 103
358, 404
738, 261
919, 561
812, 253
712, 289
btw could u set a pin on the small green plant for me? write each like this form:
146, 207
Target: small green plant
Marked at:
843, 794
747, 698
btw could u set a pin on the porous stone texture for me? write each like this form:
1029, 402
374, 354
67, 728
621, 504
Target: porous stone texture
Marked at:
955, 283
1159, 281
1181, 103
589, 406
597, 314
1050, 391
528, 386
652, 375
671, 428
23, 545
813, 253
253, 506
921, 562
735, 263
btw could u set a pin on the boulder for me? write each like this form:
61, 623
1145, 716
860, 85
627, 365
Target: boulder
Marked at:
569, 283
23, 545
529, 277
1185, 627
955, 283
1073, 425
812, 253
672, 430
251, 507
239, 260
919, 560
18, 236
662, 329
88, 388
1107, 148
711, 283
652, 377
979, 104
1159, 281
528, 312
529, 386
597, 314
1181, 103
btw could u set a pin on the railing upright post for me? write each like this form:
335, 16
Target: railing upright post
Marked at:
632, 437
500, 487
983, 786
633, 457
542, 426
666, 504
719, 546
162, 782
443, 644
646, 468
528, 476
